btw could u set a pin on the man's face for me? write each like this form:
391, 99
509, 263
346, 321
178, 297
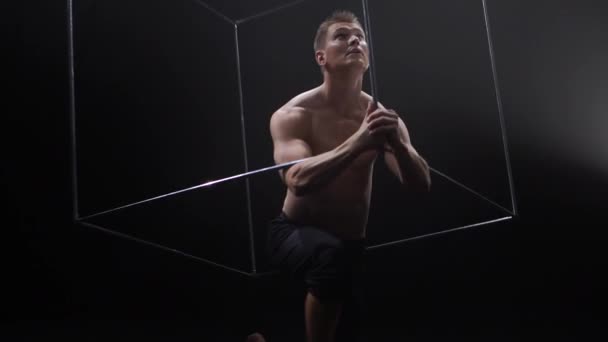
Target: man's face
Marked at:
345, 47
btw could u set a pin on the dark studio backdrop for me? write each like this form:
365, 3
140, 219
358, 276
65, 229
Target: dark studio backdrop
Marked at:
529, 278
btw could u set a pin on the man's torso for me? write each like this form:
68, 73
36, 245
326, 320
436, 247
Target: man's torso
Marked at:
342, 206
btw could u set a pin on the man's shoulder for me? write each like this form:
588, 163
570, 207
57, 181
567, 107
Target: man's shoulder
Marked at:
366, 98
289, 119
295, 116
300, 106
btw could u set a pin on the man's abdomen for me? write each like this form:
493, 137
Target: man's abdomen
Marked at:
341, 207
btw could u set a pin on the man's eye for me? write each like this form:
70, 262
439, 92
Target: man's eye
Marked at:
340, 35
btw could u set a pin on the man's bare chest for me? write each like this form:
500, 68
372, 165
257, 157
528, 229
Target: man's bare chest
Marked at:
328, 134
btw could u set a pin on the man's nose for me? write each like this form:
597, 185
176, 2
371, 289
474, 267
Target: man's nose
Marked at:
353, 40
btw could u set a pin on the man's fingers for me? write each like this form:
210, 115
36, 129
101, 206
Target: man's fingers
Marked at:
380, 113
382, 121
382, 130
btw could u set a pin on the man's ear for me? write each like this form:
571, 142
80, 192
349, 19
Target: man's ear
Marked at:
320, 57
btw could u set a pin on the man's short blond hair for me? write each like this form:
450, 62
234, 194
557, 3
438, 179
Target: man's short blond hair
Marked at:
340, 16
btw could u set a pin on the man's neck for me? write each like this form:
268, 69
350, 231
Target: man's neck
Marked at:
342, 93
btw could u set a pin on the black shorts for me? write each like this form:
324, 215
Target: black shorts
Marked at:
329, 267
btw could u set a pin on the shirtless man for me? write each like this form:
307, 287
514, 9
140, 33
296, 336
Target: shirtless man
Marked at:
319, 237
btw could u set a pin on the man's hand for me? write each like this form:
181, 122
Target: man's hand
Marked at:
383, 122
401, 157
368, 136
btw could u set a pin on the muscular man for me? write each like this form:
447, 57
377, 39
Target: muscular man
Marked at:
320, 235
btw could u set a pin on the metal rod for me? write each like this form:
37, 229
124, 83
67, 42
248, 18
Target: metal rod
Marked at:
372, 65
500, 113
73, 157
507, 211
156, 245
270, 11
438, 233
214, 11
245, 153
204, 185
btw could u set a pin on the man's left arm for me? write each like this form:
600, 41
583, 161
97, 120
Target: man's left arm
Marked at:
404, 161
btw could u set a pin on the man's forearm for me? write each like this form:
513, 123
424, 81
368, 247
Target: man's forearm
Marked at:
413, 168
315, 172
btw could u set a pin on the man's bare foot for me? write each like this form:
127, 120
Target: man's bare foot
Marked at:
255, 337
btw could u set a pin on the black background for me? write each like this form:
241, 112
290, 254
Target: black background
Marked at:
531, 279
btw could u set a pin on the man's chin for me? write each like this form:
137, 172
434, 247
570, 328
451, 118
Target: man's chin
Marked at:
354, 67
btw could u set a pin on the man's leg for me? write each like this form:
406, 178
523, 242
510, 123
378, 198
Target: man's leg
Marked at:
317, 259
321, 318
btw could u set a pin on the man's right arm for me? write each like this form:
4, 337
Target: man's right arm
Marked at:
289, 134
